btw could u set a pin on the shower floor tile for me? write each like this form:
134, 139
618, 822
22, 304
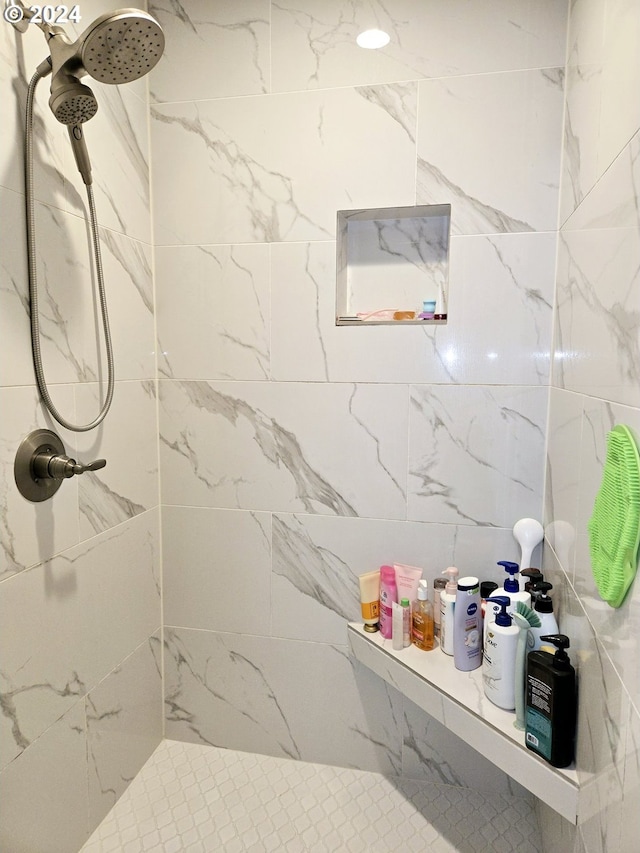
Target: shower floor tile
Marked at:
190, 798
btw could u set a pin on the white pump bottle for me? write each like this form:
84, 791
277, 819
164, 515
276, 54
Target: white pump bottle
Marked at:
447, 607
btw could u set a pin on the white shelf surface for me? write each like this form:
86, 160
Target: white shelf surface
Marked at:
456, 699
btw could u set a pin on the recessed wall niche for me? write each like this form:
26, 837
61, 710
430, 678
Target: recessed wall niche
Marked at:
390, 262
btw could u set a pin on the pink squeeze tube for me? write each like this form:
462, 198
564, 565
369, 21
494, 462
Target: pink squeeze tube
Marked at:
407, 578
388, 594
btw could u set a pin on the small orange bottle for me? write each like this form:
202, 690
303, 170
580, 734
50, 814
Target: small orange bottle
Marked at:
422, 619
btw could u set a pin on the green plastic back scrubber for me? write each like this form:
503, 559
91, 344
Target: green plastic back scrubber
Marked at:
614, 526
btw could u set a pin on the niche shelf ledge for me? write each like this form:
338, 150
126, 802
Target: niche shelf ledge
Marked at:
456, 699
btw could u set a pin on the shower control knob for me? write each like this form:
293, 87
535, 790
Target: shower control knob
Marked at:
61, 467
42, 465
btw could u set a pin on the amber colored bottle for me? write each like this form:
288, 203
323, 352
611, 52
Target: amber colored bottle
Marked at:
422, 619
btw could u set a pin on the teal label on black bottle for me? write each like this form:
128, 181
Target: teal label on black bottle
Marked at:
539, 733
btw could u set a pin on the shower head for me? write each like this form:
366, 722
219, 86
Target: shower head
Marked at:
71, 102
121, 46
117, 47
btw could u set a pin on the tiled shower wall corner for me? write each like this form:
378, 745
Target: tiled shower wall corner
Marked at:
595, 385
296, 455
80, 589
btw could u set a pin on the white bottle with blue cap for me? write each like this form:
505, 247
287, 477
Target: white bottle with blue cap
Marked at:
499, 657
511, 590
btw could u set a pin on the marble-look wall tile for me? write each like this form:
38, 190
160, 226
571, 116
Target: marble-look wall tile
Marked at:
88, 608
314, 42
14, 293
475, 454
213, 50
563, 483
32, 532
597, 344
619, 116
44, 793
237, 169
508, 345
278, 697
432, 753
511, 123
124, 725
72, 338
317, 559
630, 817
213, 311
128, 485
217, 569
603, 716
330, 449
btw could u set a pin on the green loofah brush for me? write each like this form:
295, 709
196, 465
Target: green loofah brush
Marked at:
524, 618
614, 526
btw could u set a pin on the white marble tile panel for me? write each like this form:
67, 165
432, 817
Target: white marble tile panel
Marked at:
613, 200
14, 294
317, 559
509, 123
511, 274
276, 168
563, 483
476, 454
217, 569
630, 819
329, 449
314, 42
432, 753
213, 311
117, 139
69, 312
128, 485
19, 56
44, 792
620, 108
31, 532
130, 299
245, 693
603, 717
124, 725
212, 50
597, 338
66, 624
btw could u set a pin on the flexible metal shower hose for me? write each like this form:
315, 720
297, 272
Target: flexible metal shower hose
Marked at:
33, 282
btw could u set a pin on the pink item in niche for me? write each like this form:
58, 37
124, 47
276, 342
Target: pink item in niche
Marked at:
388, 594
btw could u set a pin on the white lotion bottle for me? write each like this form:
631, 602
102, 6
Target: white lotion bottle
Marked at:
447, 608
499, 658
467, 637
511, 590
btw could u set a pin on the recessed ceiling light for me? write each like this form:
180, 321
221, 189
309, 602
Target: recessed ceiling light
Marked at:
373, 39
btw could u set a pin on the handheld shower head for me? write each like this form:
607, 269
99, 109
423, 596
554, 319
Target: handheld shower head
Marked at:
71, 102
121, 46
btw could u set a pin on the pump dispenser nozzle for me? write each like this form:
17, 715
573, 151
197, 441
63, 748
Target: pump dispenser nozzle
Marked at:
502, 617
561, 642
452, 579
511, 584
533, 576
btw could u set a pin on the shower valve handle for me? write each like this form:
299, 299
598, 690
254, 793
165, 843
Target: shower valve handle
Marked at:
60, 466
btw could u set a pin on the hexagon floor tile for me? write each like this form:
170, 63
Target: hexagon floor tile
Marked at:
190, 798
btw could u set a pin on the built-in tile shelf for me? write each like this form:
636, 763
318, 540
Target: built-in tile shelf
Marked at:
456, 699
392, 259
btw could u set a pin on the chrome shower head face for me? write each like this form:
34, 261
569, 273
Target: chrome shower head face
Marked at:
72, 102
121, 46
